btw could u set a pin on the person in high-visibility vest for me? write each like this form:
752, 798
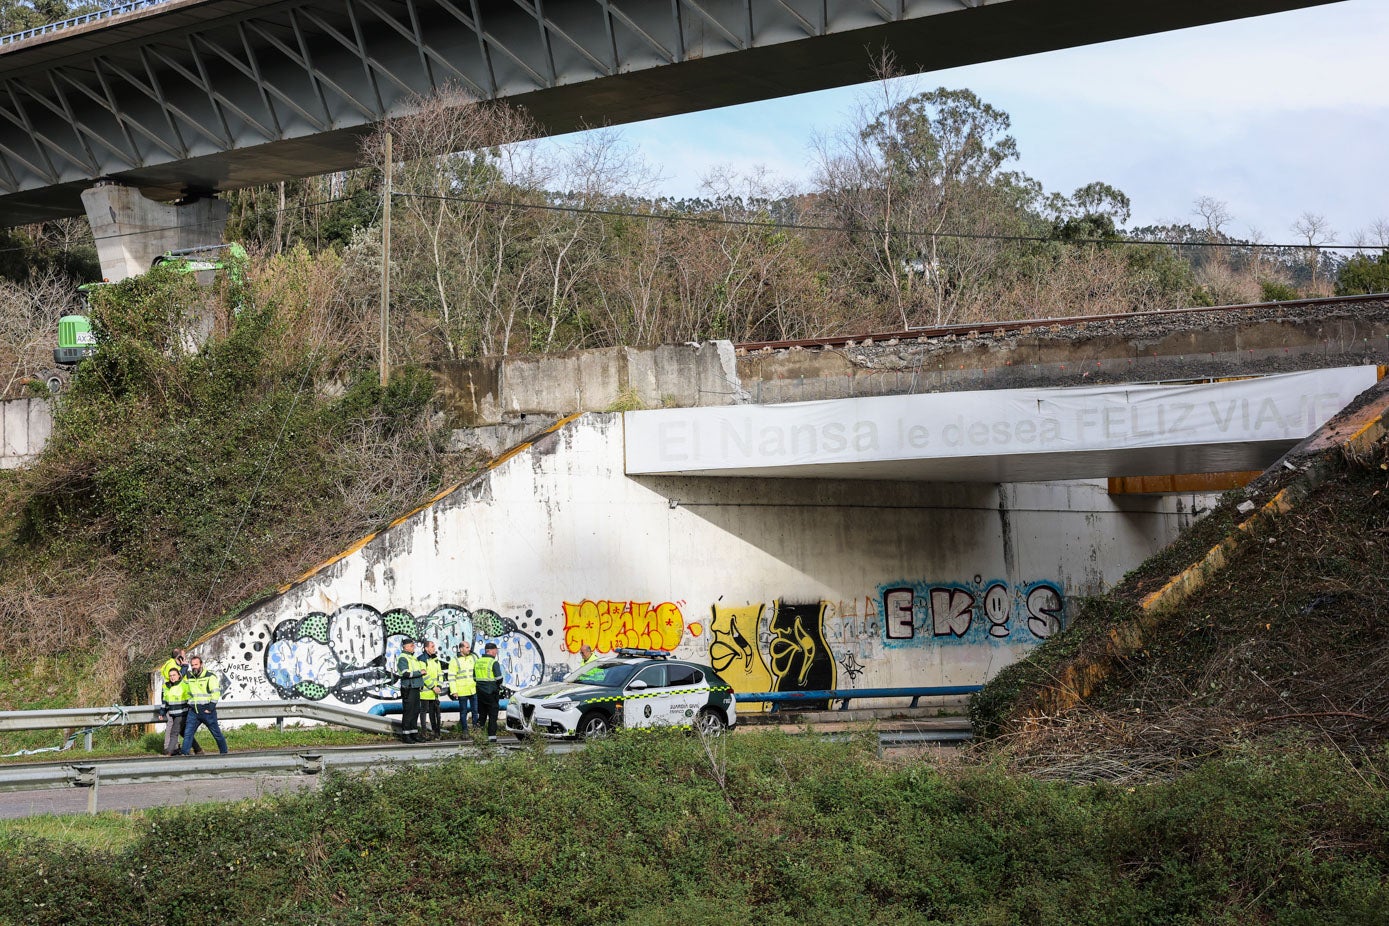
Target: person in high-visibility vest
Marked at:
410, 672
586, 655
204, 691
173, 710
429, 694
487, 671
178, 659
463, 686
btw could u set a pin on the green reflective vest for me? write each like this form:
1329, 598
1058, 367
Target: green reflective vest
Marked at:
175, 698
410, 670
488, 673
461, 681
433, 670
203, 687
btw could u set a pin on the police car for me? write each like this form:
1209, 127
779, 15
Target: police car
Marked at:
632, 688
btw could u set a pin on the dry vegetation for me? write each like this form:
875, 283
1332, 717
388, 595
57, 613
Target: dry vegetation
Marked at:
1289, 642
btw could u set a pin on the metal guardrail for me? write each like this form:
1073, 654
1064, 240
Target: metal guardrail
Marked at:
842, 695
845, 695
227, 711
308, 762
94, 16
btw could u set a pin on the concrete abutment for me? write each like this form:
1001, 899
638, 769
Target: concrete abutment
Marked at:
131, 230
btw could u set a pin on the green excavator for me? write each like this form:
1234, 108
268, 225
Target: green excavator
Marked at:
76, 341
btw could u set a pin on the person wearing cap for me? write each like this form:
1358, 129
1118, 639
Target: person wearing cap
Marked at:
462, 685
430, 720
487, 672
410, 674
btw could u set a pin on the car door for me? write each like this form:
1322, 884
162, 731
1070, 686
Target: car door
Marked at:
647, 699
687, 691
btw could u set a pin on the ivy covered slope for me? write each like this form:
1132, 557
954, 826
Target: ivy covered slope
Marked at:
181, 479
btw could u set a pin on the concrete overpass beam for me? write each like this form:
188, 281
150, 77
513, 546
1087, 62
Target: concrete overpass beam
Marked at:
131, 231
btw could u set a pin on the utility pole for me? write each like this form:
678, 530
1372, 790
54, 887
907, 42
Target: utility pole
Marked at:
386, 271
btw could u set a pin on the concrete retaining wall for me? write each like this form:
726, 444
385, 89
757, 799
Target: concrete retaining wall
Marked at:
1143, 349
493, 390
781, 584
1233, 342
25, 426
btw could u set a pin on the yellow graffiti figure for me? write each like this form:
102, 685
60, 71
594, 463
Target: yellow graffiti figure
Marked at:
610, 625
733, 651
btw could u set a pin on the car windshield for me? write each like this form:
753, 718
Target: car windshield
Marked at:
605, 674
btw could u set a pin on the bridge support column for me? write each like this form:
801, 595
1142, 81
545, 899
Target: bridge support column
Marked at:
131, 231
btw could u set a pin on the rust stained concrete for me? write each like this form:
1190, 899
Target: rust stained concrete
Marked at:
1237, 342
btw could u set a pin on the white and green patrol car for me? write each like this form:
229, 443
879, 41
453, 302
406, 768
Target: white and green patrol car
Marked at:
632, 688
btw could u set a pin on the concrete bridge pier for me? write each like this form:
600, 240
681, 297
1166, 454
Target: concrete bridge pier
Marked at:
131, 230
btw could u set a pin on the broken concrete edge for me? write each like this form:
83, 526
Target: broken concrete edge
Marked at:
487, 468
1368, 423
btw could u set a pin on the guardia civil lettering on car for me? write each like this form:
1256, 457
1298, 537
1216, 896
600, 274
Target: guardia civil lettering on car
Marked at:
631, 688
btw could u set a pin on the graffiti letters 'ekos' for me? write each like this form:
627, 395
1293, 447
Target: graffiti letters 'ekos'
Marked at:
345, 655
970, 612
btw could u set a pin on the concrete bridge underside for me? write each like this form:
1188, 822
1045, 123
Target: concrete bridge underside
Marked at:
999, 436
206, 95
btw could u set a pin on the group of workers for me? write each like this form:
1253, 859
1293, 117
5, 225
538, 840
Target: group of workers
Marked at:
189, 701
474, 681
191, 693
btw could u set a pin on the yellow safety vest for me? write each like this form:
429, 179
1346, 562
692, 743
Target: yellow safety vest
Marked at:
203, 687
461, 681
432, 670
176, 698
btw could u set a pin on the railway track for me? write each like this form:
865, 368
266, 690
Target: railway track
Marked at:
979, 329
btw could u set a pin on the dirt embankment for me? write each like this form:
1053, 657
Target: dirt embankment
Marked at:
1282, 628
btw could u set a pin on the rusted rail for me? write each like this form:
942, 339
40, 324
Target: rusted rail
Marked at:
974, 329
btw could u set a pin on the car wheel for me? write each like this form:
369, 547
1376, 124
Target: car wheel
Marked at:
709, 722
593, 724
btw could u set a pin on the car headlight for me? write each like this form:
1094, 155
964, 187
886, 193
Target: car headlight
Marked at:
561, 704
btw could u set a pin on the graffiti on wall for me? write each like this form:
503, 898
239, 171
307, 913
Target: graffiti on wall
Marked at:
733, 651
916, 613
785, 650
800, 658
610, 625
348, 654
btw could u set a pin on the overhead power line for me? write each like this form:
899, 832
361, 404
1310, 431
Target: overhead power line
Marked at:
904, 232
771, 225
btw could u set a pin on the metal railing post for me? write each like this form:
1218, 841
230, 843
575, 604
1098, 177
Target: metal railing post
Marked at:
89, 777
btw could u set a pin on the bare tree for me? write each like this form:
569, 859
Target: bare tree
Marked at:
29, 314
1215, 213
1317, 231
1374, 236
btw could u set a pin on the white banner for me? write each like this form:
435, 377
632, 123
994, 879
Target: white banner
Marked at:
723, 440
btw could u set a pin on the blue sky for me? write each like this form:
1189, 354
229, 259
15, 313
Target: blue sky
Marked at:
1274, 115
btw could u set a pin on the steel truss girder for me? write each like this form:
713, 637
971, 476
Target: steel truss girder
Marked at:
224, 93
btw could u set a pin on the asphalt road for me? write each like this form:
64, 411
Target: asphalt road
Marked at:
123, 798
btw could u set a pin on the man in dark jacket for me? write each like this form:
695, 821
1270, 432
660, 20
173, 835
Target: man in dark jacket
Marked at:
410, 673
487, 671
